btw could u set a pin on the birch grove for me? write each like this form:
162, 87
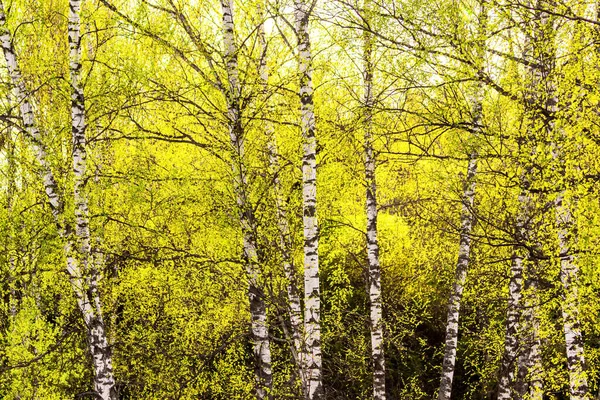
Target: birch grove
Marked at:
81, 272
171, 169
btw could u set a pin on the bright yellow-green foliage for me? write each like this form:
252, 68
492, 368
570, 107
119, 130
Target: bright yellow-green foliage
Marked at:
165, 218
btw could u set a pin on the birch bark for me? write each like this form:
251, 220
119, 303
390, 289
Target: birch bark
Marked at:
285, 244
464, 253
569, 271
99, 347
528, 379
467, 220
26, 113
374, 275
258, 310
11, 175
312, 302
515, 286
515, 356
536, 385
516, 352
565, 223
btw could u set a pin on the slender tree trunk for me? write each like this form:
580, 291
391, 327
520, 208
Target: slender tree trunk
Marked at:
464, 253
83, 285
506, 371
467, 220
569, 272
258, 309
26, 111
520, 351
11, 190
515, 296
374, 275
565, 223
285, 244
312, 302
521, 385
529, 379
536, 387
104, 381
532, 347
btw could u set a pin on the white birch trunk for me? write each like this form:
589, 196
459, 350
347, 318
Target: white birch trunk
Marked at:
529, 379
517, 353
515, 297
12, 237
534, 365
521, 371
565, 223
569, 272
536, 385
312, 302
26, 111
374, 274
258, 310
460, 277
511, 360
285, 244
87, 299
104, 382
466, 220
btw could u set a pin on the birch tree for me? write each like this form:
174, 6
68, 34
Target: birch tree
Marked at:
285, 245
260, 332
311, 358
467, 218
565, 222
521, 347
516, 356
515, 288
374, 275
231, 92
99, 347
